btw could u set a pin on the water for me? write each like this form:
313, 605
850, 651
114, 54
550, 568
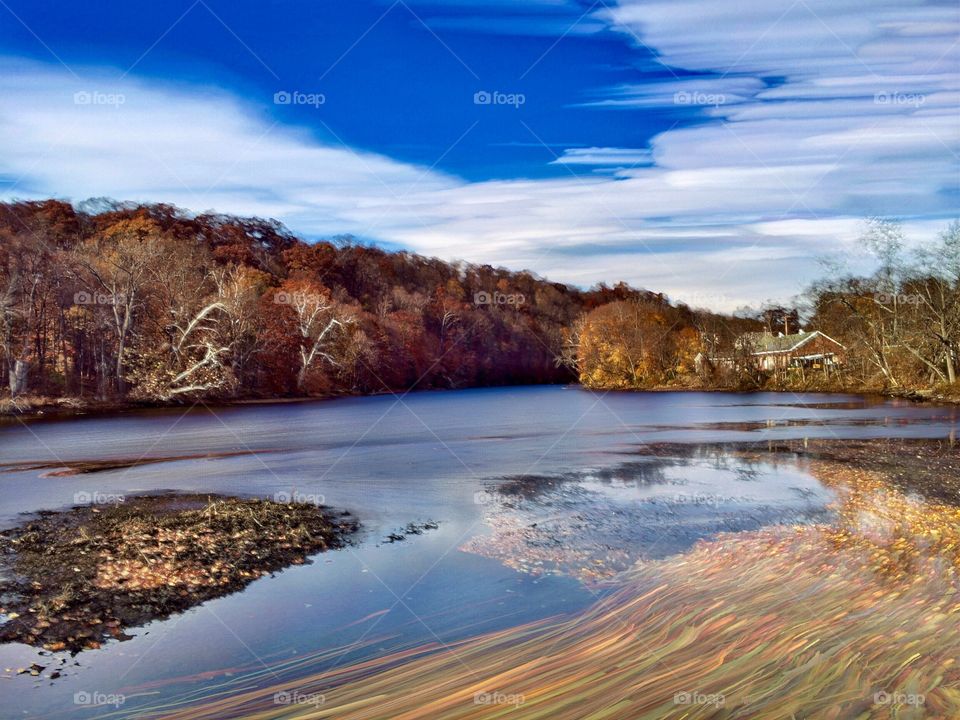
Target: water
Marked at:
509, 474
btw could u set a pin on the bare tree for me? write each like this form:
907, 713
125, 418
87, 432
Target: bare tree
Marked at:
932, 288
117, 263
318, 321
24, 272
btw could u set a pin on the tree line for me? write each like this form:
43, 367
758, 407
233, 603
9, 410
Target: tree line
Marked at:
148, 302
899, 326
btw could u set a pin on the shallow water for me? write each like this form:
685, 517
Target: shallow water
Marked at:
478, 462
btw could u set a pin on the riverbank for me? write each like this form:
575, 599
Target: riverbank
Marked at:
36, 408
939, 394
929, 468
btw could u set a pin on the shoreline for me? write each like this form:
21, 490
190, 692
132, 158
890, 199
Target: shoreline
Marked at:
72, 407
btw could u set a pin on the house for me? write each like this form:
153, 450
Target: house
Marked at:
799, 350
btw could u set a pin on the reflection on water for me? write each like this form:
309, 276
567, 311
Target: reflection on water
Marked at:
516, 476
595, 523
855, 618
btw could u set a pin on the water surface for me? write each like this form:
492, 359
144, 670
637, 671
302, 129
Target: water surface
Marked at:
507, 473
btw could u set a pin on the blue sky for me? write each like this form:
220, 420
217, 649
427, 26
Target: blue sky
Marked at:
709, 150
390, 85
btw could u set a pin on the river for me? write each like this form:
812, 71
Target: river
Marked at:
496, 469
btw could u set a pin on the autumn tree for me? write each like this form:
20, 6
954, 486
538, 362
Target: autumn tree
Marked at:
319, 322
153, 302
238, 290
896, 322
186, 341
635, 344
931, 292
20, 283
116, 263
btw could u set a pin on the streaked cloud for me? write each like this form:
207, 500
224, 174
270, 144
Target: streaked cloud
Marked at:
689, 92
605, 157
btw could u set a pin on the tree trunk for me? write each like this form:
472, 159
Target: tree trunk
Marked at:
121, 385
18, 377
951, 371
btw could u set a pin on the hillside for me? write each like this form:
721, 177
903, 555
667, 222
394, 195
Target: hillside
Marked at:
151, 303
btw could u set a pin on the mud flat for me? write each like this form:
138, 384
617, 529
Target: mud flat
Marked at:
73, 579
927, 467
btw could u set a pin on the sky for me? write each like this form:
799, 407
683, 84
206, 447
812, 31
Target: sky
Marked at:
714, 151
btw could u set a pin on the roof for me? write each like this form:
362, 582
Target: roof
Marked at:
766, 343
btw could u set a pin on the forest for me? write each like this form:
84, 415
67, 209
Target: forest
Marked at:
899, 328
148, 303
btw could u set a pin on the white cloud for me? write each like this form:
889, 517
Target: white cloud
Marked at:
686, 92
605, 157
197, 147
